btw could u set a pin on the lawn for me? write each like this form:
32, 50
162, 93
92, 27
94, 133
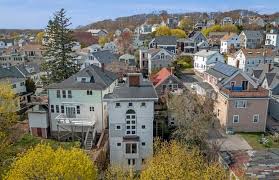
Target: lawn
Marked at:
27, 141
253, 140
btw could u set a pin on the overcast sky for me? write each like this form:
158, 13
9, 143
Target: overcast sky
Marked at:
36, 13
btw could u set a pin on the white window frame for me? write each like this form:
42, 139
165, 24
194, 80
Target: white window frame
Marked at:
131, 148
258, 116
91, 109
118, 106
116, 127
130, 125
244, 102
237, 117
131, 162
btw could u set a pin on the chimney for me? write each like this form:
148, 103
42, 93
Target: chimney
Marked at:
134, 79
103, 67
171, 70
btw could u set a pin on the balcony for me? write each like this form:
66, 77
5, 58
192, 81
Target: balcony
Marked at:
77, 121
238, 92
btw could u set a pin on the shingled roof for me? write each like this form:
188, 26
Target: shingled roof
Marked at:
165, 40
100, 79
105, 56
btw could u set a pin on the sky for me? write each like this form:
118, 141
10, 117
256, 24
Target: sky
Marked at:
35, 14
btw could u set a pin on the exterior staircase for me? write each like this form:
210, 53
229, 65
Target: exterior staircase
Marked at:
89, 139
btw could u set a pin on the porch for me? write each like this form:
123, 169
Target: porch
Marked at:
80, 128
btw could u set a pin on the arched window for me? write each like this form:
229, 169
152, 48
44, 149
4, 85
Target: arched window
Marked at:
131, 122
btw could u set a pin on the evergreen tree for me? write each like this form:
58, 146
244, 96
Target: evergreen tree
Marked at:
59, 58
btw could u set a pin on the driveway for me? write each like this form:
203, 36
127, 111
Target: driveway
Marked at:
188, 79
228, 142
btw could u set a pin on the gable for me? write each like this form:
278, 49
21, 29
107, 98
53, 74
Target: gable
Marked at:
238, 77
172, 79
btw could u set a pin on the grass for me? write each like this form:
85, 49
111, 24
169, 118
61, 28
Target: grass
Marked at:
253, 140
23, 144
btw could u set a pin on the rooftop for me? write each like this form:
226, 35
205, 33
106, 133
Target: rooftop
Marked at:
206, 53
144, 90
105, 56
100, 79
165, 40
263, 164
252, 34
252, 53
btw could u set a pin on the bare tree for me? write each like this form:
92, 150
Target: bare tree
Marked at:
194, 117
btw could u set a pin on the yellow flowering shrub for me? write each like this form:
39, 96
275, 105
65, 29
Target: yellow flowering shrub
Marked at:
43, 162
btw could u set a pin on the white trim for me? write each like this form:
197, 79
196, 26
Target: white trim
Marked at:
233, 119
116, 127
254, 117
244, 75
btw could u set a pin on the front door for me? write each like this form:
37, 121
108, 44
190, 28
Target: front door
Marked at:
71, 112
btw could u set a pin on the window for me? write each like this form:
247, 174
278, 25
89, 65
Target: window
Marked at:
118, 127
22, 84
143, 126
62, 109
57, 109
14, 86
83, 79
131, 148
78, 109
162, 56
143, 143
52, 108
130, 104
142, 161
256, 118
118, 144
64, 94
91, 108
240, 103
130, 122
235, 118
232, 84
69, 94
131, 162
58, 95
117, 105
89, 92
143, 104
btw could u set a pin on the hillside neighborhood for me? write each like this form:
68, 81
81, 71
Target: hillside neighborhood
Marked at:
209, 81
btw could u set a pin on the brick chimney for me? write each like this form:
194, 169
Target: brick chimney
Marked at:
134, 79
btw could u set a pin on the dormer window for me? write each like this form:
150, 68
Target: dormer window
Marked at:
89, 92
83, 79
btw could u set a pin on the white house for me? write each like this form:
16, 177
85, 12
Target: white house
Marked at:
272, 38
76, 104
204, 58
111, 46
247, 59
2, 44
227, 21
131, 116
229, 41
98, 32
